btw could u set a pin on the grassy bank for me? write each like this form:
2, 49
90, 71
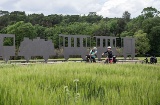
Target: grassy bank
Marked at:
80, 84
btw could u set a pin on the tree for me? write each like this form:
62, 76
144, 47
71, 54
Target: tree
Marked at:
71, 19
4, 21
93, 17
126, 33
101, 29
142, 42
36, 19
150, 12
53, 34
17, 16
126, 16
21, 30
155, 40
112, 25
3, 13
149, 23
55, 19
121, 26
135, 24
40, 31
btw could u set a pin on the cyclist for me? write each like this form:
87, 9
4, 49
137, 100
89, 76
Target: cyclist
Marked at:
109, 58
92, 55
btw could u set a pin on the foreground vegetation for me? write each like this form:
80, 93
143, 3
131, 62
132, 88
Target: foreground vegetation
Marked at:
80, 84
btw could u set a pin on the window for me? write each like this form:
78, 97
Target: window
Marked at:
8, 41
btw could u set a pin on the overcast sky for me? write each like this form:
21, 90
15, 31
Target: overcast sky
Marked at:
106, 8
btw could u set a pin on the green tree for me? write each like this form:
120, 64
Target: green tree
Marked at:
4, 21
3, 13
150, 12
40, 31
126, 33
155, 40
142, 42
101, 29
121, 26
55, 19
112, 26
53, 34
21, 30
93, 17
17, 16
135, 24
36, 19
149, 23
126, 16
82, 28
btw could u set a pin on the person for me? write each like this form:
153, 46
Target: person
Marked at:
146, 60
92, 55
152, 60
109, 52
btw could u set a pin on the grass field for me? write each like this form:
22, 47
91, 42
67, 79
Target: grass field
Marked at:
80, 84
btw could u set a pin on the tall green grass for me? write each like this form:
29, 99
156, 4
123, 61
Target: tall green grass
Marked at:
80, 84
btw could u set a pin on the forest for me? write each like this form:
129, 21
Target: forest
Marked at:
145, 28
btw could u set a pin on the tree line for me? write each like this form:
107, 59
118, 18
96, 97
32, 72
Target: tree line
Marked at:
145, 28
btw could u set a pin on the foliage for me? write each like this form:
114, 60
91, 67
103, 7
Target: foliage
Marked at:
148, 24
21, 30
40, 31
126, 16
154, 38
126, 33
135, 24
112, 26
150, 12
142, 42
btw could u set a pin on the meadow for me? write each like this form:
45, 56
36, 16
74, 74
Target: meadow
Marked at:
80, 83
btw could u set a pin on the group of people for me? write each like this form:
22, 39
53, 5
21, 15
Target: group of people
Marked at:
152, 60
109, 59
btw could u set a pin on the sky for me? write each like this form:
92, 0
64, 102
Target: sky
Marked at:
106, 8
